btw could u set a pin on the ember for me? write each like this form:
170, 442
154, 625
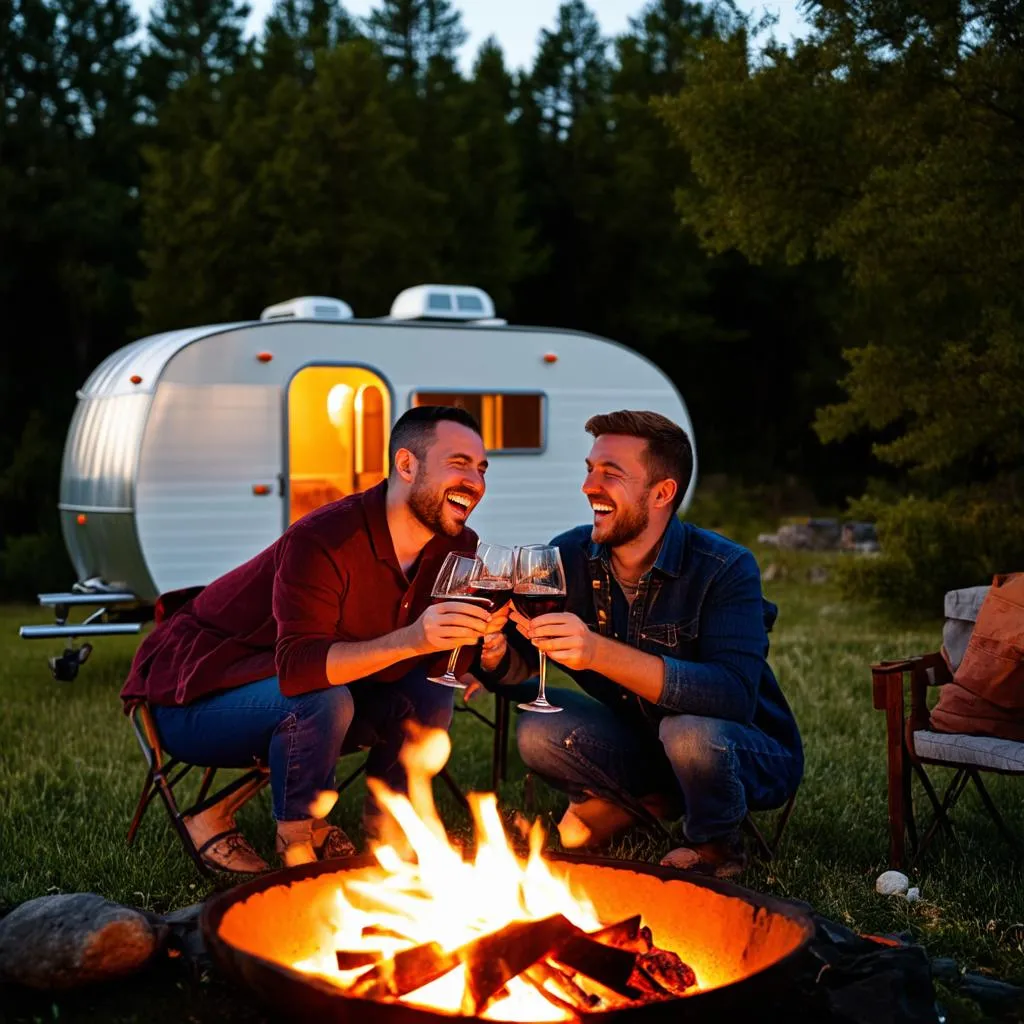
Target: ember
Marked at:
495, 937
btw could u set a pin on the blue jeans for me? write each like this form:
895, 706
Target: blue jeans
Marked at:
712, 770
301, 738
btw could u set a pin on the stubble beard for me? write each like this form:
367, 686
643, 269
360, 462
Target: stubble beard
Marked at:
629, 525
428, 506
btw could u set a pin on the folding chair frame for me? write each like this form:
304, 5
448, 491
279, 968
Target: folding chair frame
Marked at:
904, 764
164, 773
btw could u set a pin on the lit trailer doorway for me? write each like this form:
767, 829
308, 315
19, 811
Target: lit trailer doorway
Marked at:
339, 421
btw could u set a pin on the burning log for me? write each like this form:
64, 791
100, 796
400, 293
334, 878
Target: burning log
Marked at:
350, 959
405, 972
493, 960
543, 976
607, 965
624, 935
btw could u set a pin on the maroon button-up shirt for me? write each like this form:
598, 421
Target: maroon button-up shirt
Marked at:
331, 576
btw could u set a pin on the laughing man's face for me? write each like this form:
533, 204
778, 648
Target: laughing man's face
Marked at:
449, 481
618, 488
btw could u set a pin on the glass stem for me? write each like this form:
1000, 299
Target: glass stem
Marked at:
541, 699
451, 662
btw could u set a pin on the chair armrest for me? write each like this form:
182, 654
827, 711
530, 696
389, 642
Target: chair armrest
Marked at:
887, 686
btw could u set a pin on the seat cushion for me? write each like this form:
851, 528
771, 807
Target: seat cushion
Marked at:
979, 751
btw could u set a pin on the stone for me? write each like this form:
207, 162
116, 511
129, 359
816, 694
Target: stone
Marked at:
892, 883
65, 941
913, 895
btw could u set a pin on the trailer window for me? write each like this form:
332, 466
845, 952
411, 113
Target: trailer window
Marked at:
509, 421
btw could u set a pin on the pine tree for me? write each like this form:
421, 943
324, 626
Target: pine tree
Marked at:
188, 38
416, 35
296, 29
308, 187
487, 243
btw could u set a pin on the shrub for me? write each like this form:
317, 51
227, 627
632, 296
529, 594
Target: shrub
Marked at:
930, 546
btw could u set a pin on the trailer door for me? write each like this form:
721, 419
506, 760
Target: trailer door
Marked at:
339, 420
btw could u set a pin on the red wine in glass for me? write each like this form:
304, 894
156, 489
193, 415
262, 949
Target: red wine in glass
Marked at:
532, 600
494, 593
539, 590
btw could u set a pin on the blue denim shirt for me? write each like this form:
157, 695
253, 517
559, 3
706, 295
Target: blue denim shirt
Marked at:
699, 608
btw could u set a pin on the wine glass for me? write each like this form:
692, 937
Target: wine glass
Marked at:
539, 589
455, 583
495, 574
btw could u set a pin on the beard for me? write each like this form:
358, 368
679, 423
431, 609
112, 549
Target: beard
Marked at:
427, 505
629, 524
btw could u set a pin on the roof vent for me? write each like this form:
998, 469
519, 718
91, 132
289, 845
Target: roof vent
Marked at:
443, 302
309, 307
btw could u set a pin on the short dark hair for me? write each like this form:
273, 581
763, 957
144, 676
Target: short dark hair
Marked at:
415, 429
669, 454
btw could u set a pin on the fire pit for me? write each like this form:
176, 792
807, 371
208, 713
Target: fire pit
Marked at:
414, 939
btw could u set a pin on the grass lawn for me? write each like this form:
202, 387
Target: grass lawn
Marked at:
70, 772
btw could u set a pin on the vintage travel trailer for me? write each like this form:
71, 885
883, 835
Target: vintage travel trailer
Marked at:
191, 451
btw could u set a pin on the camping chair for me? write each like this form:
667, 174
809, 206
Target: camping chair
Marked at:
912, 744
163, 774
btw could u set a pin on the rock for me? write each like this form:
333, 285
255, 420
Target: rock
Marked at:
892, 883
913, 895
64, 941
810, 535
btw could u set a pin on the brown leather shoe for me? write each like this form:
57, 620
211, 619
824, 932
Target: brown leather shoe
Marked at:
721, 858
333, 842
231, 851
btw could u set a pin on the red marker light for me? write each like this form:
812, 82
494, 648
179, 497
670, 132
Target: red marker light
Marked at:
135, 378
81, 519
264, 357
550, 357
260, 489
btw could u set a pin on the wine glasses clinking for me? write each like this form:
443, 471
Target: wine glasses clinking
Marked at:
455, 583
539, 589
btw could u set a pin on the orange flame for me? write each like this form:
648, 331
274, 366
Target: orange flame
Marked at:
444, 898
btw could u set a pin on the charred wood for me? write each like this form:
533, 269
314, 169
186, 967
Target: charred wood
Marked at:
405, 972
493, 960
350, 959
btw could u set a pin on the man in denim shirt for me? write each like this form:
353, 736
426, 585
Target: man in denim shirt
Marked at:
666, 632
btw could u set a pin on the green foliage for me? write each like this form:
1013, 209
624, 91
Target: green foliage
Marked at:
930, 546
890, 143
32, 555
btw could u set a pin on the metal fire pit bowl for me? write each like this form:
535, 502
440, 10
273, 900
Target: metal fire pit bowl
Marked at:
744, 946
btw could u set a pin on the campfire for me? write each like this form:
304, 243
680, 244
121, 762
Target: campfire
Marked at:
425, 930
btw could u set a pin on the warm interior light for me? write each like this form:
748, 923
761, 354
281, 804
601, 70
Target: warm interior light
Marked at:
337, 398
338, 419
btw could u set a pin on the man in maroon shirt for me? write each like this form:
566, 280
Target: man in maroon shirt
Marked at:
321, 644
